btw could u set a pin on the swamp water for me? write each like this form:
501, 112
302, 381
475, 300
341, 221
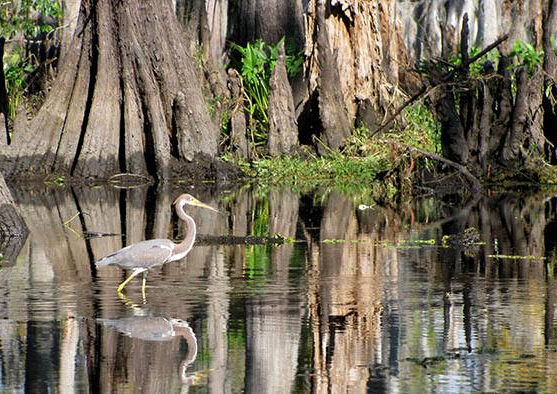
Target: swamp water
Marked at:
428, 297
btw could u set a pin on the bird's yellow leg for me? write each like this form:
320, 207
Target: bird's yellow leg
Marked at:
143, 287
133, 275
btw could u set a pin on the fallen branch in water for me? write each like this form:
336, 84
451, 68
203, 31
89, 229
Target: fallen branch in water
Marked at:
203, 239
474, 182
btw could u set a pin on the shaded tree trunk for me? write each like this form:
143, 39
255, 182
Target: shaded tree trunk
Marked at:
127, 99
550, 68
269, 20
354, 60
283, 131
205, 23
500, 116
13, 231
4, 127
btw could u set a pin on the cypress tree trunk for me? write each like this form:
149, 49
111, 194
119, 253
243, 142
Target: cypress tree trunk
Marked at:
497, 116
13, 231
354, 61
127, 99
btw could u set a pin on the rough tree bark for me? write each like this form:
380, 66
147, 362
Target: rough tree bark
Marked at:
550, 77
205, 23
13, 231
355, 62
283, 131
269, 20
501, 116
127, 99
4, 128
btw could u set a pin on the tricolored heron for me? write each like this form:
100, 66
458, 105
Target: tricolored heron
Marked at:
144, 255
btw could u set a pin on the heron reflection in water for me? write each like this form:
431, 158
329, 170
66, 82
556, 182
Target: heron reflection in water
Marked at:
151, 328
145, 255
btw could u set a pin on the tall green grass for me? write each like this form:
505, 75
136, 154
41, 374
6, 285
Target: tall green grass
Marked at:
363, 158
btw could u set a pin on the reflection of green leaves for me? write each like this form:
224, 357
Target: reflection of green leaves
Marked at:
257, 261
236, 339
257, 256
550, 269
260, 226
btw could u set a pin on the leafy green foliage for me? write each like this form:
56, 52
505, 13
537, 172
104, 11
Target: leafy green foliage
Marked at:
256, 63
16, 71
422, 129
20, 22
22, 18
334, 169
526, 56
294, 59
359, 163
476, 68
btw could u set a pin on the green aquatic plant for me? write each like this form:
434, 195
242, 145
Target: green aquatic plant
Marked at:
257, 63
362, 159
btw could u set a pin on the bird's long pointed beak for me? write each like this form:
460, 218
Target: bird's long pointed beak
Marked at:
198, 203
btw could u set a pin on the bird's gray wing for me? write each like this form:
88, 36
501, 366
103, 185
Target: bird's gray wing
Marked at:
146, 328
145, 254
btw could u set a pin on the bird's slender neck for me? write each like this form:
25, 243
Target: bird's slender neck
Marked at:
184, 247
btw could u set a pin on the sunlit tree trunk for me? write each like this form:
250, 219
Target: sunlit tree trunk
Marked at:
354, 61
504, 115
127, 99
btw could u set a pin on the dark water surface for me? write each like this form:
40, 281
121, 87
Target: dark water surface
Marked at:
372, 300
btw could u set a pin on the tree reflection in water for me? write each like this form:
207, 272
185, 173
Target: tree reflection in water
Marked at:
352, 306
